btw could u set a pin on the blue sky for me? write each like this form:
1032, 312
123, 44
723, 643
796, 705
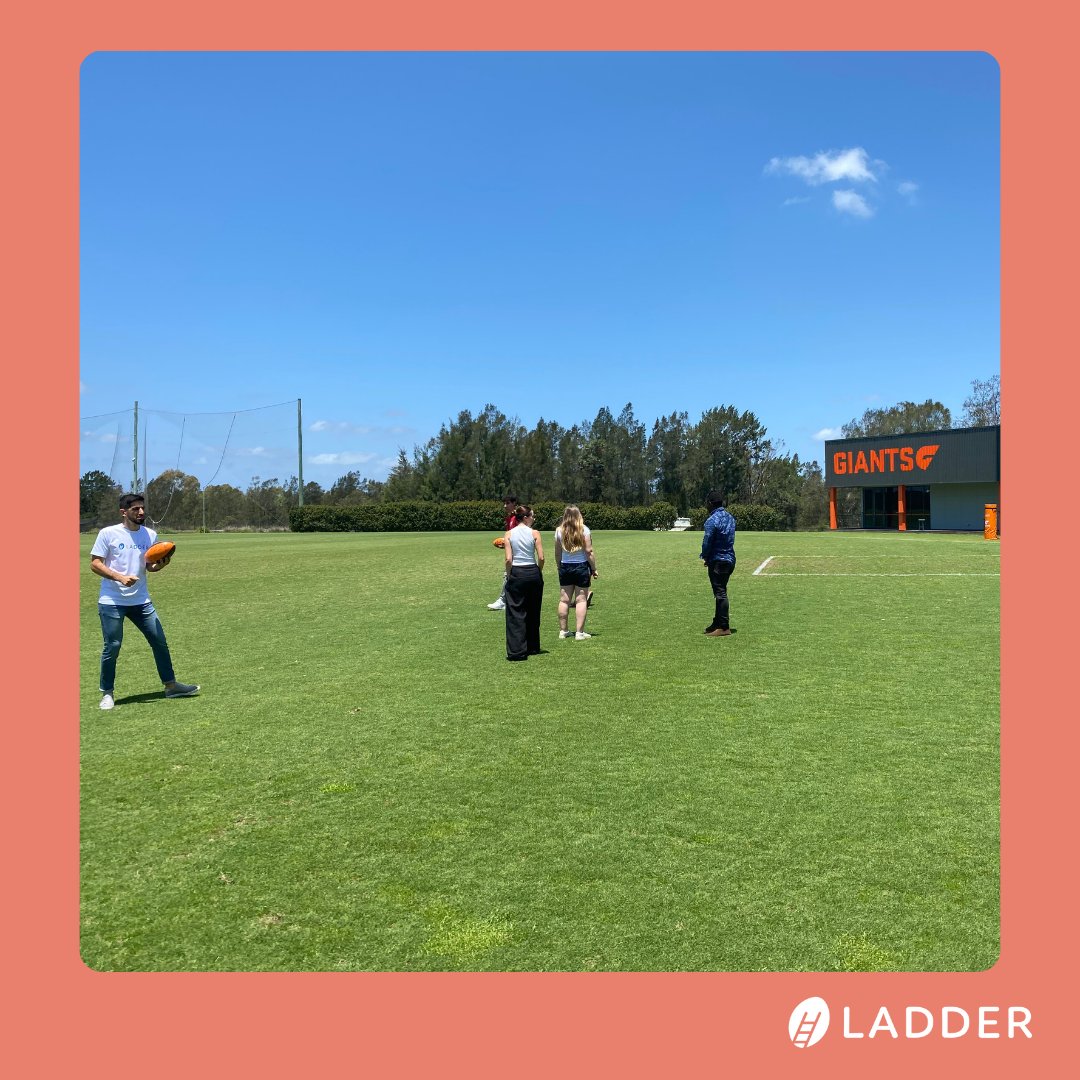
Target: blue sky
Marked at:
395, 237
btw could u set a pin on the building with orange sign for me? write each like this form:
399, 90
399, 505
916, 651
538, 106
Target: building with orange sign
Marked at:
942, 480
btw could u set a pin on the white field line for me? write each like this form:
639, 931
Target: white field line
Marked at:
891, 558
954, 573
961, 573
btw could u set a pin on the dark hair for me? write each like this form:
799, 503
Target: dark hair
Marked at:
510, 498
714, 500
130, 499
522, 512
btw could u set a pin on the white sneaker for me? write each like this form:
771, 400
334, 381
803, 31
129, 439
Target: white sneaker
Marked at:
565, 634
107, 702
498, 605
581, 635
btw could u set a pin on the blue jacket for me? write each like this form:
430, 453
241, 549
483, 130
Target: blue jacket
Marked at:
719, 539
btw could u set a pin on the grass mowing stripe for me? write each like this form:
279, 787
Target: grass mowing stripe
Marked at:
366, 783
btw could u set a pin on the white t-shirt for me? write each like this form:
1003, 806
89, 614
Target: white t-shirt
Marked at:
573, 556
125, 551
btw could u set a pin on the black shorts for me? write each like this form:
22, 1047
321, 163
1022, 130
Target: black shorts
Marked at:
577, 574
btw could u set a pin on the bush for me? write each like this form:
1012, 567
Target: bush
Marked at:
417, 516
749, 517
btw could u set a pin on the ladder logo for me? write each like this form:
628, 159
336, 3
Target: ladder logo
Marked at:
809, 1022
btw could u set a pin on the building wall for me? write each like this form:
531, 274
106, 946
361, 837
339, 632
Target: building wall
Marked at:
956, 456
960, 506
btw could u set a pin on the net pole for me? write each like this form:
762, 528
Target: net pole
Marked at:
300, 449
135, 452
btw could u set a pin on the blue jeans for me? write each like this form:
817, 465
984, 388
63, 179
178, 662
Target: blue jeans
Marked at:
112, 628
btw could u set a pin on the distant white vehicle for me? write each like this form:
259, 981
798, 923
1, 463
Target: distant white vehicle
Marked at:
680, 525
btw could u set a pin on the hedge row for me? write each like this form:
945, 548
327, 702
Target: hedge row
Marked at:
467, 517
488, 517
749, 517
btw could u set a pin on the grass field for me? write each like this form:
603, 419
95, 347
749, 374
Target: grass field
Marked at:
366, 784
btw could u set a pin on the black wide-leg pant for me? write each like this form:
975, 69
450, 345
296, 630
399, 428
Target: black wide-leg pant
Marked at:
524, 597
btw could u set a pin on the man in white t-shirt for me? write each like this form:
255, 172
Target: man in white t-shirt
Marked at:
118, 557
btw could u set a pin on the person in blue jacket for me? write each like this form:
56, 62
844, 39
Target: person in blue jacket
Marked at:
718, 554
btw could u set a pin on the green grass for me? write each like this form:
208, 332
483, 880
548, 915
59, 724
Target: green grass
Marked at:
365, 783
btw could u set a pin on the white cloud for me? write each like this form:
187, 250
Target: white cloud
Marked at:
851, 202
340, 426
827, 167
343, 427
342, 459
829, 433
910, 190
101, 436
795, 200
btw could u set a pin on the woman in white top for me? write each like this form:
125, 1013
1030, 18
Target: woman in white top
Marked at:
524, 586
577, 567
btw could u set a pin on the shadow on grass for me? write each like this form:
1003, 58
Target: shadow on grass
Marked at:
138, 699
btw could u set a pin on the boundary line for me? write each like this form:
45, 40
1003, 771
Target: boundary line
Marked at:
960, 573
759, 572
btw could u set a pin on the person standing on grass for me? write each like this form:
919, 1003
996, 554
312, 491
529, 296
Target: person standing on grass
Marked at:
524, 586
118, 557
576, 560
718, 554
509, 521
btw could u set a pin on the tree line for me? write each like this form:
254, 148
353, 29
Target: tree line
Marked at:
611, 459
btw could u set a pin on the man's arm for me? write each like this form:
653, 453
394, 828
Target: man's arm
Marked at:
706, 540
97, 564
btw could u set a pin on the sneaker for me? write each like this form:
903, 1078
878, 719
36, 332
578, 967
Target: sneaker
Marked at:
718, 633
181, 690
581, 636
565, 634
107, 702
498, 605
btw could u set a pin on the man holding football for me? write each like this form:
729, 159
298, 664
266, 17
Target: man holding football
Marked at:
118, 557
509, 502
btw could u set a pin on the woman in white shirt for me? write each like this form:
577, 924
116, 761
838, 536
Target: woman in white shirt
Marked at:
524, 586
577, 567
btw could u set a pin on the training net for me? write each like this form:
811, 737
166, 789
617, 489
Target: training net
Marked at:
212, 471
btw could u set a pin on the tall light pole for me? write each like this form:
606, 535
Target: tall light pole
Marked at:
300, 449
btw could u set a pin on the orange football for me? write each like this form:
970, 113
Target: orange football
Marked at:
157, 552
499, 541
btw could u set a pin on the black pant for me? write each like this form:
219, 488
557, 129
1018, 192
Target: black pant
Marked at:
719, 572
524, 596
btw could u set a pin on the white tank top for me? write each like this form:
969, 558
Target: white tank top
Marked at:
523, 546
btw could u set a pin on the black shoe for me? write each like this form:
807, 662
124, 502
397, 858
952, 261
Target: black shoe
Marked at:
710, 628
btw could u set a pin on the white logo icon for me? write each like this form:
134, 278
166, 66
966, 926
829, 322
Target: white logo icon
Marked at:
809, 1022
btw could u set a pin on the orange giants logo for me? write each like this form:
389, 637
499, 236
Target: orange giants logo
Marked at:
883, 461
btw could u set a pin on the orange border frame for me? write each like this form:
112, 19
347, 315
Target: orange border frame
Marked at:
64, 1019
